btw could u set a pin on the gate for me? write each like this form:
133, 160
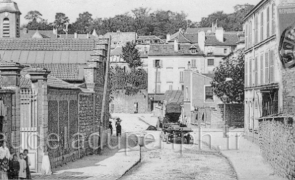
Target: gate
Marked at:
28, 125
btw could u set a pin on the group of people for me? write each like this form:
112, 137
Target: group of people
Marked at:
13, 166
118, 127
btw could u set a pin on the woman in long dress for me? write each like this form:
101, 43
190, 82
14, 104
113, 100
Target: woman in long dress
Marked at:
4, 156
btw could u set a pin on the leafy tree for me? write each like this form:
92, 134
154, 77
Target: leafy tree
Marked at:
83, 23
230, 22
141, 20
33, 16
232, 67
131, 55
60, 21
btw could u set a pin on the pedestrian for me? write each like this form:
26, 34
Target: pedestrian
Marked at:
22, 174
28, 163
111, 127
4, 156
118, 129
14, 168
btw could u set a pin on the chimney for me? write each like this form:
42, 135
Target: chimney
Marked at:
219, 33
25, 30
87, 36
54, 31
75, 35
201, 40
168, 37
175, 45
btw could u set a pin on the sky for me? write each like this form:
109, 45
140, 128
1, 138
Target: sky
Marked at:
195, 9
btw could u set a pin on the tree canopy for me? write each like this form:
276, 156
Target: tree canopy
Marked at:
131, 55
143, 21
232, 67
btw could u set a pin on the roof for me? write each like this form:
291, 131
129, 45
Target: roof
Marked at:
173, 96
188, 38
196, 30
121, 37
148, 37
25, 33
209, 75
168, 50
230, 39
254, 9
47, 44
52, 81
9, 6
117, 51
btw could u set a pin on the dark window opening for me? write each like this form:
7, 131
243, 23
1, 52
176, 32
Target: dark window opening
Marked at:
208, 93
210, 62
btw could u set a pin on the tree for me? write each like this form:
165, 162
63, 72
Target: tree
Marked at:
83, 23
33, 16
232, 67
131, 55
60, 21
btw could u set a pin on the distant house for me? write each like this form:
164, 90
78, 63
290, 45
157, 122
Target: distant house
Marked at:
120, 39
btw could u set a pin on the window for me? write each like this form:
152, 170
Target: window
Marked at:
266, 81
193, 63
181, 77
6, 28
271, 66
158, 76
256, 30
17, 28
186, 93
157, 63
250, 72
208, 93
267, 23
193, 50
273, 19
246, 73
182, 87
225, 51
210, 62
250, 34
246, 36
261, 27
261, 69
256, 71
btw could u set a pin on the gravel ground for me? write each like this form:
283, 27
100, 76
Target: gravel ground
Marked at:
167, 163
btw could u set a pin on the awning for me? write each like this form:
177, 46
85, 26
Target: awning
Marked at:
173, 101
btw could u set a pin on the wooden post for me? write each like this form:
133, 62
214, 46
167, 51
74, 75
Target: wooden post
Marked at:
105, 92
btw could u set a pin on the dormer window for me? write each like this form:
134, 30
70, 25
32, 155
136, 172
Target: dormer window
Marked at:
194, 51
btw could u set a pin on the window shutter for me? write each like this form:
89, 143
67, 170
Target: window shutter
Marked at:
246, 73
271, 66
266, 69
267, 25
250, 72
246, 38
256, 71
261, 69
261, 28
159, 76
273, 19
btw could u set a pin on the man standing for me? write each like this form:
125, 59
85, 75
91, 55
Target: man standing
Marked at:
111, 127
118, 129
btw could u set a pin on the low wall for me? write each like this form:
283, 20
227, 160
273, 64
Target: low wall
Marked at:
277, 142
234, 114
203, 114
123, 103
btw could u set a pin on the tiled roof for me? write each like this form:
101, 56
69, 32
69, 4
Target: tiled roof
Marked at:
168, 50
117, 51
196, 30
188, 38
230, 39
210, 75
69, 72
47, 44
147, 37
27, 34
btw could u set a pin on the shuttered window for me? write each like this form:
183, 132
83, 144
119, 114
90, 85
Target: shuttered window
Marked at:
246, 73
158, 74
194, 63
271, 66
6, 28
267, 23
246, 36
208, 93
250, 34
256, 71
261, 27
273, 20
266, 69
181, 76
256, 30
158, 88
250, 72
261, 69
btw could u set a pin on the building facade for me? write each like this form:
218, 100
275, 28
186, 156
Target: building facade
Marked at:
263, 76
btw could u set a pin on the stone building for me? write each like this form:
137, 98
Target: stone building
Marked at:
52, 89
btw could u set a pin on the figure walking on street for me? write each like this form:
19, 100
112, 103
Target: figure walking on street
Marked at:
111, 127
118, 127
28, 163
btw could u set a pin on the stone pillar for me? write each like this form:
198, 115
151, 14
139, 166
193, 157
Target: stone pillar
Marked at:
38, 77
10, 74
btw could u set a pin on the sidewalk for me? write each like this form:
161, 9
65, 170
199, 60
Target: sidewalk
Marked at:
244, 156
111, 165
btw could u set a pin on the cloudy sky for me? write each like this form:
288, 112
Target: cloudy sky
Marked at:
195, 9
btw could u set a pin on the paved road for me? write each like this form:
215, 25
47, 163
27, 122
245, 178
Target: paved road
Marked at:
174, 161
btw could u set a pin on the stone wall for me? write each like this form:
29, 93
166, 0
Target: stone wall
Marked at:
123, 103
277, 142
289, 91
234, 114
63, 122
